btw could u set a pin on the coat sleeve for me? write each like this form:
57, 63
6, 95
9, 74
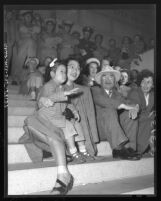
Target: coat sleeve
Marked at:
46, 91
100, 100
133, 96
90, 110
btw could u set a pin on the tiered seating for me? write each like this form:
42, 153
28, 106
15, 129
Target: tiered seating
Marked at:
25, 177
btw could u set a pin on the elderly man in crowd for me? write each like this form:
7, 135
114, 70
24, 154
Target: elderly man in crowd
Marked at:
119, 128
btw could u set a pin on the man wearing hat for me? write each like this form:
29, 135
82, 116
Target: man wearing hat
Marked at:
120, 130
66, 48
86, 46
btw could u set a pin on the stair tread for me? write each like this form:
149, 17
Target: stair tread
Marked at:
114, 187
52, 163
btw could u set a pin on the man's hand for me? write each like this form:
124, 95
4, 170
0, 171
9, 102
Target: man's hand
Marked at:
133, 113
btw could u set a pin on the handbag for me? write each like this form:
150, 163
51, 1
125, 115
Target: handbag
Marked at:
68, 114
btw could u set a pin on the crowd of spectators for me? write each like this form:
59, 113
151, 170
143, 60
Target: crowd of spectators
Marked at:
106, 99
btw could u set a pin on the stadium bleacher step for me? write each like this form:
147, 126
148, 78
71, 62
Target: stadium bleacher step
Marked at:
18, 154
25, 177
30, 178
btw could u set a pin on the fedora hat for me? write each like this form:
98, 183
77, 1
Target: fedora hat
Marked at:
105, 70
29, 59
90, 60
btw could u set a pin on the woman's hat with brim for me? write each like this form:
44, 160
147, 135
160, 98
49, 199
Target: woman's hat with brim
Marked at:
93, 60
29, 59
105, 70
50, 20
24, 12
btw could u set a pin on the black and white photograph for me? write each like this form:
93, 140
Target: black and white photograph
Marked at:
80, 98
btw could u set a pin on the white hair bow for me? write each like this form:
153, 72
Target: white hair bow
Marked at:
53, 62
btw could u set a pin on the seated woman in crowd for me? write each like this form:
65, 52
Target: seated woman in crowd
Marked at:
49, 126
124, 83
134, 74
105, 62
126, 54
31, 77
100, 51
144, 96
91, 69
48, 41
84, 104
35, 78
66, 47
113, 52
26, 44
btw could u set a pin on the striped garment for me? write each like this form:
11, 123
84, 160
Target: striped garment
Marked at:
54, 113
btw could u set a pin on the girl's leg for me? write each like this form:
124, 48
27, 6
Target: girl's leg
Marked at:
84, 152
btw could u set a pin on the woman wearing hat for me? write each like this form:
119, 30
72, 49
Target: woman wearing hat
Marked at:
26, 43
66, 48
119, 129
91, 69
48, 41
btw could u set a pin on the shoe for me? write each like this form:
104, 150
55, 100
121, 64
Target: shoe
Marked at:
69, 158
87, 156
78, 158
124, 154
63, 188
133, 152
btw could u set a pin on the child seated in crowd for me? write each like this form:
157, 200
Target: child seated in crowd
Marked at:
35, 78
54, 106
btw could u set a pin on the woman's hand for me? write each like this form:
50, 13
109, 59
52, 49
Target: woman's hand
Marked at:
71, 92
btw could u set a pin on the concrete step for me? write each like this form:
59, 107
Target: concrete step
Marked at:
24, 111
18, 154
13, 89
14, 133
135, 185
16, 121
41, 177
21, 103
18, 97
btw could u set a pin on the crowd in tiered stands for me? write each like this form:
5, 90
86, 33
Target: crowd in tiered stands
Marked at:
85, 92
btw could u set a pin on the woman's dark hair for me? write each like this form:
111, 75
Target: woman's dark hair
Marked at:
145, 74
86, 69
128, 73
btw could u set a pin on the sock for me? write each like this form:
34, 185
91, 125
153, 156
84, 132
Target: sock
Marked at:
82, 148
33, 95
73, 150
62, 169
